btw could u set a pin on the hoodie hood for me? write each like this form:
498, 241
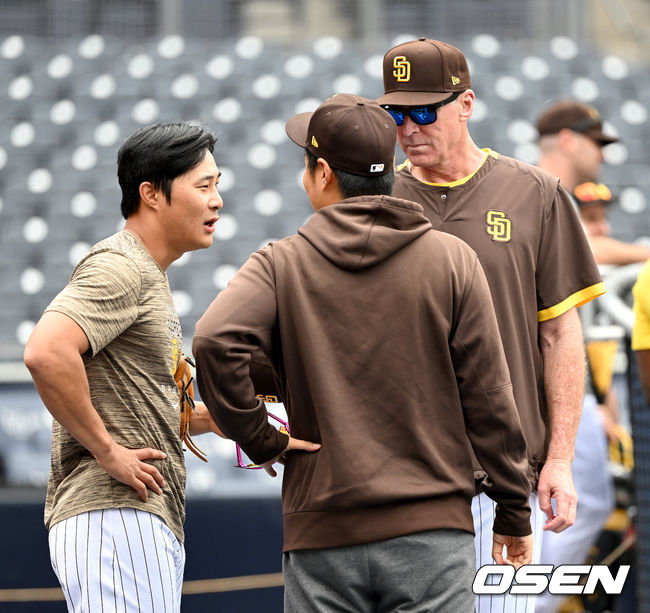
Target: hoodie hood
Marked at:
360, 232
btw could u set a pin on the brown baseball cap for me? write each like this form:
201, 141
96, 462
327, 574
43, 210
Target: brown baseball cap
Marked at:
575, 116
351, 133
423, 71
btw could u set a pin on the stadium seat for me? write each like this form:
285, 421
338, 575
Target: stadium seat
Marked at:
71, 102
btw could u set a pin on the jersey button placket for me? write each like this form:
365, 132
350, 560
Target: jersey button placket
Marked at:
445, 203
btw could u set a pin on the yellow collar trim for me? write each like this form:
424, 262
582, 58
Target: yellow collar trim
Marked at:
486, 153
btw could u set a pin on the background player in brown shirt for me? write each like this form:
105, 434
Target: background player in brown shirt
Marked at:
571, 142
523, 226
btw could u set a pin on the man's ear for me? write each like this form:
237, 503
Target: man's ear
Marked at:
566, 138
149, 195
466, 103
325, 174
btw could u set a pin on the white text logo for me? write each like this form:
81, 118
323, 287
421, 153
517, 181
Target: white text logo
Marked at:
535, 578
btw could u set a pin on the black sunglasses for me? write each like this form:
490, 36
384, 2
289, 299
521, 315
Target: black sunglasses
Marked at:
421, 115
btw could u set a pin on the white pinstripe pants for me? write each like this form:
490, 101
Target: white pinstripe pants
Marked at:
118, 561
483, 508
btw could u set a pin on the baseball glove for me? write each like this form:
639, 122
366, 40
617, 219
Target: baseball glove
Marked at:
184, 381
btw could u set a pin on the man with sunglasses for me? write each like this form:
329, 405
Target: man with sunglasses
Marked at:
383, 339
525, 231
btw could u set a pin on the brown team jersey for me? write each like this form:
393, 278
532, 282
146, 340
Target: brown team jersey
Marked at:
529, 240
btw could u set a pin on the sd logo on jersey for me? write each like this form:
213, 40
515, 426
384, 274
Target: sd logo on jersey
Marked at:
498, 226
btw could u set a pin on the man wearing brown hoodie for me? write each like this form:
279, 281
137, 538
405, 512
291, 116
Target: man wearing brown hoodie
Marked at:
384, 343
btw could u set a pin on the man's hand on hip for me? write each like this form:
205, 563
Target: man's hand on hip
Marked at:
128, 467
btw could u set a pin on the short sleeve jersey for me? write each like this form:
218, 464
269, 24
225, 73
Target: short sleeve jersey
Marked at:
531, 244
120, 298
641, 329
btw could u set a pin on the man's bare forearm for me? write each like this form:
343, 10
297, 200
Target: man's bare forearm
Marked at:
564, 375
202, 422
55, 362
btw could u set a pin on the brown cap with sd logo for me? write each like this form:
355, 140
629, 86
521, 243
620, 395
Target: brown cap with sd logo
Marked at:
422, 72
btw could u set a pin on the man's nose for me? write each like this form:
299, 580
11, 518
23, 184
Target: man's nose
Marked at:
216, 202
409, 126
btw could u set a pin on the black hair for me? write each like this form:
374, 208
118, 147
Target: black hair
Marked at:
356, 185
159, 154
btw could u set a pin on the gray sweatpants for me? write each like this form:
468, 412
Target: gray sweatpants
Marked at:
428, 572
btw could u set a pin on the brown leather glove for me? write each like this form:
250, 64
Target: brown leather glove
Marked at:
185, 381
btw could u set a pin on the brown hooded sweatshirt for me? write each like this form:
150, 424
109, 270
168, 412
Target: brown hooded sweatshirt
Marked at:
384, 342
